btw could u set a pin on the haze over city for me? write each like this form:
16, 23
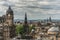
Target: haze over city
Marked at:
35, 9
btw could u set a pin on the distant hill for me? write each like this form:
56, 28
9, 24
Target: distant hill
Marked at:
53, 20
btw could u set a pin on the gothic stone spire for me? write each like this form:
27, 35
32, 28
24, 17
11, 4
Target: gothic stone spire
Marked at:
25, 18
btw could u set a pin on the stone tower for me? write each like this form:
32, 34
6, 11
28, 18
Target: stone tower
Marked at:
26, 27
9, 28
9, 16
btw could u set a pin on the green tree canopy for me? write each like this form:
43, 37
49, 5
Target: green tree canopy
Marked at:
19, 29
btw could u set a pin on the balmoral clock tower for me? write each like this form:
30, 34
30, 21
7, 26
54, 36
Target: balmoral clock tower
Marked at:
9, 16
9, 27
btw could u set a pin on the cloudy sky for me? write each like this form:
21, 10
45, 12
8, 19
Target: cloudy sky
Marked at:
35, 9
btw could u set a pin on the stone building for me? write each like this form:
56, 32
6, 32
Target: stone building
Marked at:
7, 28
47, 32
54, 33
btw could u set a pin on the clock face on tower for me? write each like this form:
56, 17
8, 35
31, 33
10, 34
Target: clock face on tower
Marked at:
9, 15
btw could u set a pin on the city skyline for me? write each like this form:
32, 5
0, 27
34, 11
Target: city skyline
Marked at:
35, 9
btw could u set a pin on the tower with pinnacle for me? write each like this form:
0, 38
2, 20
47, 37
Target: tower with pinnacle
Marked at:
26, 27
9, 28
9, 16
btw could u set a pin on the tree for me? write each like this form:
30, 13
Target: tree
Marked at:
19, 29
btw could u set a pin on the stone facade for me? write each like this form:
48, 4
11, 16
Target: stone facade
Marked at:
7, 29
47, 32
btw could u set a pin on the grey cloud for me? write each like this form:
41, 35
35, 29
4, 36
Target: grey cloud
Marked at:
32, 7
46, 7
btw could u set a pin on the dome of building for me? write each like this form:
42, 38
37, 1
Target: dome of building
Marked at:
9, 10
54, 29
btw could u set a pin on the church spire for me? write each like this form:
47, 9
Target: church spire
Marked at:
26, 26
25, 18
